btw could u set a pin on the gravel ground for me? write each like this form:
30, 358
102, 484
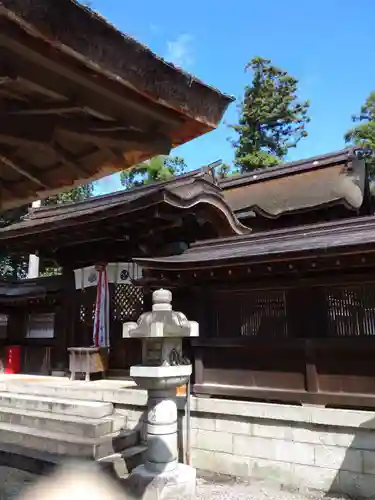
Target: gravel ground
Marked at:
12, 481
221, 488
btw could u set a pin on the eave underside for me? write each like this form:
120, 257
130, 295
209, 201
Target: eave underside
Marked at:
64, 122
22, 291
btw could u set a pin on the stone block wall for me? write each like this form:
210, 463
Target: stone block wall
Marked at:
309, 448
301, 447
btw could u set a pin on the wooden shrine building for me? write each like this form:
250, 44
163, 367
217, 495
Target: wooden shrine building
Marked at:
285, 314
80, 100
286, 306
157, 219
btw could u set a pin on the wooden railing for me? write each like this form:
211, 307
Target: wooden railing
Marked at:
335, 372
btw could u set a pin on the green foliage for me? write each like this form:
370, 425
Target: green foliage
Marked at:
272, 120
12, 266
79, 193
363, 134
15, 266
223, 170
159, 168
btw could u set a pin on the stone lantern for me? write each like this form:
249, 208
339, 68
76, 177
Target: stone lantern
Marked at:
163, 369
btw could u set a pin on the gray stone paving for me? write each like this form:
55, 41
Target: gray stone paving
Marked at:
231, 489
13, 481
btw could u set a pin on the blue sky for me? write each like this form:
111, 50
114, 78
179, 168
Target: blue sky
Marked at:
327, 44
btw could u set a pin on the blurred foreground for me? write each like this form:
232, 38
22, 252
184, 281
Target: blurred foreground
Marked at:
81, 482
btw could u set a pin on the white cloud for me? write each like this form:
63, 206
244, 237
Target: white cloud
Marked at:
179, 51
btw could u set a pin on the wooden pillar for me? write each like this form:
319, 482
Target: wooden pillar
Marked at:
311, 374
65, 320
17, 324
306, 321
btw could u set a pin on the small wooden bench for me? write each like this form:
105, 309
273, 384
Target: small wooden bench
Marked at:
87, 360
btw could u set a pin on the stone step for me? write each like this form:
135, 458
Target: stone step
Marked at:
121, 464
104, 390
61, 444
66, 424
60, 406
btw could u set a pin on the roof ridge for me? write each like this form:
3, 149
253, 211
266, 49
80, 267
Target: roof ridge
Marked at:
35, 213
289, 168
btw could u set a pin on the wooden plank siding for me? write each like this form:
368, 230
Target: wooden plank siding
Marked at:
301, 344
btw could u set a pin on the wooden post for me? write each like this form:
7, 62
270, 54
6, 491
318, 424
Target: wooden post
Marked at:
198, 365
311, 374
65, 321
33, 269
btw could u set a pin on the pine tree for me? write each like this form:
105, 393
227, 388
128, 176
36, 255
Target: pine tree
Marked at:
272, 120
363, 134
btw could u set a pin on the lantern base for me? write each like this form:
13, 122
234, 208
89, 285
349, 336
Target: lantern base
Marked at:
178, 483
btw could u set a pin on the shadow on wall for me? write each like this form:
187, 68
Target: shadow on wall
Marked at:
356, 472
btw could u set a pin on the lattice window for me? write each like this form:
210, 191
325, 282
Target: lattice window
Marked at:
351, 311
251, 314
86, 300
127, 302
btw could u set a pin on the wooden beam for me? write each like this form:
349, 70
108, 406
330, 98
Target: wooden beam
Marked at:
68, 159
6, 191
26, 130
43, 130
112, 136
39, 109
60, 65
24, 169
4, 80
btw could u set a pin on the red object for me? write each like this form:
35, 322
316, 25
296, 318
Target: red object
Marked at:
12, 359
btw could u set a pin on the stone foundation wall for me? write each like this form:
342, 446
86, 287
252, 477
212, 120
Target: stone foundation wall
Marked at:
301, 447
308, 448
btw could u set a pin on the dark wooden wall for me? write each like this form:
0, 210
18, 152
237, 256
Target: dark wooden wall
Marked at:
297, 342
33, 350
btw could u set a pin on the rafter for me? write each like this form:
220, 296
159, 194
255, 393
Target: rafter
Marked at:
40, 109
68, 159
43, 130
50, 79
24, 169
126, 139
5, 190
